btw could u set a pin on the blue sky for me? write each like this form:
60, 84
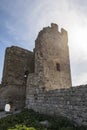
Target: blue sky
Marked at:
21, 20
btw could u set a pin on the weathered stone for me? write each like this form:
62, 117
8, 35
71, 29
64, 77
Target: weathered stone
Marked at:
17, 62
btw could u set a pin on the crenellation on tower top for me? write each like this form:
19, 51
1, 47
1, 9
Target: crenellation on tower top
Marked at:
54, 26
63, 31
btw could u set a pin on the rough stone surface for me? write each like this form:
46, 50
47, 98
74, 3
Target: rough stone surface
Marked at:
17, 62
52, 63
70, 102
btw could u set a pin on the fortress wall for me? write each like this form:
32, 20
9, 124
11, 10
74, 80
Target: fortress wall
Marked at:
71, 103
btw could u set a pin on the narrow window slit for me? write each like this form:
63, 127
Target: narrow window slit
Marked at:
57, 66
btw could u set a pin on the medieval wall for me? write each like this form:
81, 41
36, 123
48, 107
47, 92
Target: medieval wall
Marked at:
70, 102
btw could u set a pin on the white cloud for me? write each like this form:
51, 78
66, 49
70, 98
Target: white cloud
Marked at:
80, 79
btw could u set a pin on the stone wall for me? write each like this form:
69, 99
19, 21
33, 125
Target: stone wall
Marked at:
71, 102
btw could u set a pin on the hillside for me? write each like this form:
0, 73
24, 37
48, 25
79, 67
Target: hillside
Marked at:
35, 121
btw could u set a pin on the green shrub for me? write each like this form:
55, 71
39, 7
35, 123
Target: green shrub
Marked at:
22, 127
30, 120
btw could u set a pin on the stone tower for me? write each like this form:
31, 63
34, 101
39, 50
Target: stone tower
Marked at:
52, 64
17, 62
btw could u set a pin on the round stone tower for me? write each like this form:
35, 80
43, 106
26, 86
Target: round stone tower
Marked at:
52, 62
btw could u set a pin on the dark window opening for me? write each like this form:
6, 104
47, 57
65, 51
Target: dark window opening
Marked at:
26, 74
58, 66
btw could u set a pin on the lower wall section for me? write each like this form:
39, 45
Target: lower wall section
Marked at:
71, 103
14, 94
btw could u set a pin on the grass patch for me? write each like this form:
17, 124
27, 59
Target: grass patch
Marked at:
30, 120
